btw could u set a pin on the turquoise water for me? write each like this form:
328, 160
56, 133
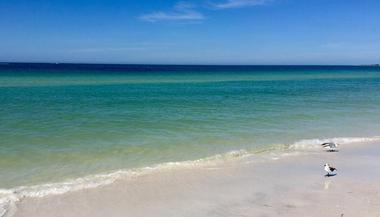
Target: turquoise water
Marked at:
67, 124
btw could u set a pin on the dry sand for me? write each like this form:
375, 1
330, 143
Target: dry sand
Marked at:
290, 186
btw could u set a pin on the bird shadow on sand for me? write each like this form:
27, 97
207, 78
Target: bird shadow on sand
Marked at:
330, 175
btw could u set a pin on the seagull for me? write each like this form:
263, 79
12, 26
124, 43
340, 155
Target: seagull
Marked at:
330, 146
329, 169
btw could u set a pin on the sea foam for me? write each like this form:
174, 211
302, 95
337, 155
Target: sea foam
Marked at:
10, 197
308, 144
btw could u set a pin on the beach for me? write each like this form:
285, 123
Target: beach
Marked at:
217, 108
293, 185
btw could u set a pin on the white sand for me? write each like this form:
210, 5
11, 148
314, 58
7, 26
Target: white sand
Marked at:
290, 186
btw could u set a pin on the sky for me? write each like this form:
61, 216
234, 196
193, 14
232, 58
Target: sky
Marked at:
191, 32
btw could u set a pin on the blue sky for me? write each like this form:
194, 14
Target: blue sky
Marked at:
191, 32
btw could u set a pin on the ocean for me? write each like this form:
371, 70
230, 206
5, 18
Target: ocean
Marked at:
72, 124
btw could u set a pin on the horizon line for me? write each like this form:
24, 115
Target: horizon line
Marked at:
178, 64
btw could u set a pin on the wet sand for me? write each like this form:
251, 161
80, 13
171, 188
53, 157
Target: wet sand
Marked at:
289, 186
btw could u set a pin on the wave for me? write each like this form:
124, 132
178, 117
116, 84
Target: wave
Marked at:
9, 197
308, 144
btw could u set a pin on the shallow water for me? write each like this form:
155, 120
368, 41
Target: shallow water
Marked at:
68, 123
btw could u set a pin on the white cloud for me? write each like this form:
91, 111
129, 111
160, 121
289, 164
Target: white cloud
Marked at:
239, 3
182, 11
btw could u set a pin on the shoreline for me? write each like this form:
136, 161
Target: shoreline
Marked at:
243, 187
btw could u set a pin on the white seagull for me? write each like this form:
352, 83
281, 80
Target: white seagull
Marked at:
330, 146
329, 169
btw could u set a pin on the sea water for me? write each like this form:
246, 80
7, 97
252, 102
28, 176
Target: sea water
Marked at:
66, 122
